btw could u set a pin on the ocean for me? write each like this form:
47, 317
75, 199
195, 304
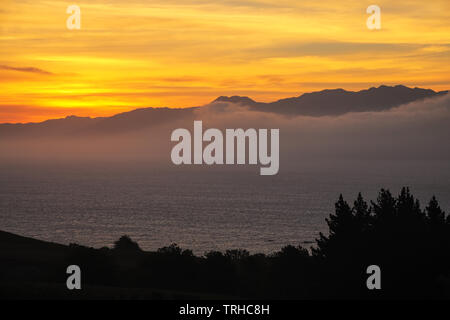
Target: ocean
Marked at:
199, 208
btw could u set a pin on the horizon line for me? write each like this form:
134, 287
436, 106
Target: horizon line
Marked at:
217, 100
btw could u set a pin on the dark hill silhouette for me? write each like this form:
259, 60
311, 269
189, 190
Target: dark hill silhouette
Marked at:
323, 103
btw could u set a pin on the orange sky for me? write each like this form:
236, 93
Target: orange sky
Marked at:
180, 53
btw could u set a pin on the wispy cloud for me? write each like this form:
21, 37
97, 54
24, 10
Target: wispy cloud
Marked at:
25, 69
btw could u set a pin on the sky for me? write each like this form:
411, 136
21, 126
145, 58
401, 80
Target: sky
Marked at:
131, 54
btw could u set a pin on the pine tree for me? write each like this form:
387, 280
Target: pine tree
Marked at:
434, 212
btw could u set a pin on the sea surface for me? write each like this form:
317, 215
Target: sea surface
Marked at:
201, 209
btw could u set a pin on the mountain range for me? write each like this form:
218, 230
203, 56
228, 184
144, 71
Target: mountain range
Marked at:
328, 102
339, 101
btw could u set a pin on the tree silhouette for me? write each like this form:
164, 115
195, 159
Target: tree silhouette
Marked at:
411, 246
434, 212
126, 245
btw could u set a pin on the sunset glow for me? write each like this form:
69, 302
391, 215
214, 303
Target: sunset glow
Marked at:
182, 53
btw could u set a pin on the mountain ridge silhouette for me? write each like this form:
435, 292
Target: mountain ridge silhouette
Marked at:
328, 102
339, 101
